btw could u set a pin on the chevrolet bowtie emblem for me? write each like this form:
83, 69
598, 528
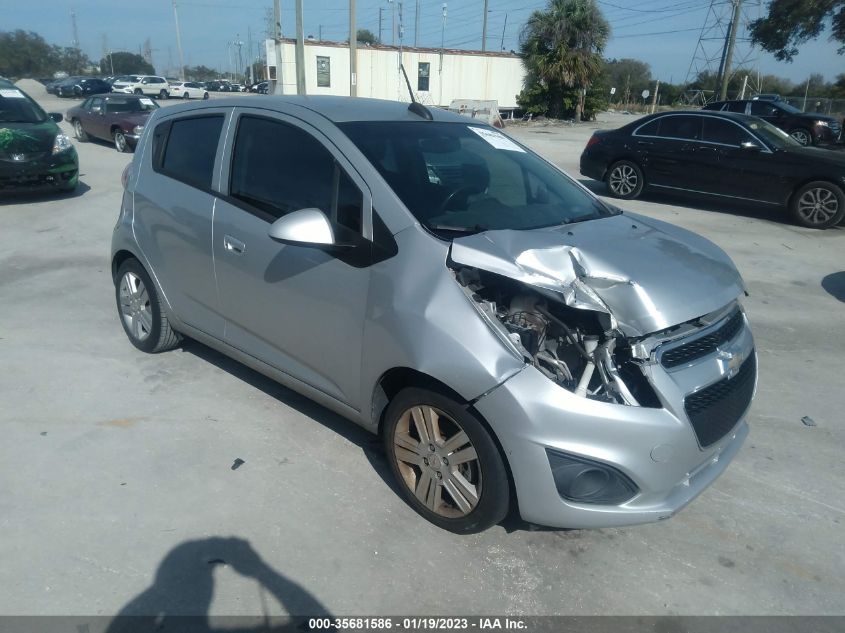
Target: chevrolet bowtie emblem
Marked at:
733, 360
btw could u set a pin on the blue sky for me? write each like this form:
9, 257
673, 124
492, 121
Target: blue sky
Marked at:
663, 33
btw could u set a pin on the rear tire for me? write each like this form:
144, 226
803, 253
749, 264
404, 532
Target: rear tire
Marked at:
162, 95
445, 461
140, 312
79, 132
138, 91
185, 95
818, 205
205, 95
802, 136
625, 180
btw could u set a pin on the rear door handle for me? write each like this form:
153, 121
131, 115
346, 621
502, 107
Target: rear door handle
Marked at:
233, 246
645, 143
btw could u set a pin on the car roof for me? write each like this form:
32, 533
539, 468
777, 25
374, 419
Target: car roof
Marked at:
734, 116
337, 109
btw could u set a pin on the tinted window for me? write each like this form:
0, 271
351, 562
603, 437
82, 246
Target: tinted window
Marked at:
16, 107
763, 108
725, 132
423, 73
735, 106
191, 149
459, 178
278, 168
681, 126
324, 72
652, 128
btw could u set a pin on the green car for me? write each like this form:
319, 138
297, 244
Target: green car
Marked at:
34, 153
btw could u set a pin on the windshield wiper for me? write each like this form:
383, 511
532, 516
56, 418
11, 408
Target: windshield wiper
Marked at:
478, 228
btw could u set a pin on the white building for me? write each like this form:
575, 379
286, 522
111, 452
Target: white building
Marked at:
436, 78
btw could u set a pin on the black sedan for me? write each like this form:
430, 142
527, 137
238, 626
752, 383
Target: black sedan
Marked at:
808, 128
729, 156
82, 87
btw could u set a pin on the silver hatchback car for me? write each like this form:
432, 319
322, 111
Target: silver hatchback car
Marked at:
517, 342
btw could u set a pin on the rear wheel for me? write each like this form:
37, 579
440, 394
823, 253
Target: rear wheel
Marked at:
162, 94
625, 180
205, 95
140, 311
81, 134
445, 461
138, 91
802, 136
818, 205
185, 95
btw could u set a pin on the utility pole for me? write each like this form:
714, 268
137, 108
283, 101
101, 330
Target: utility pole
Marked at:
179, 43
277, 46
392, 4
504, 28
484, 29
654, 97
320, 33
806, 92
442, 42
380, 9
734, 27
417, 24
353, 52
744, 86
300, 51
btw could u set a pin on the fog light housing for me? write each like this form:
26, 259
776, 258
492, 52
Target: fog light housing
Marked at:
584, 480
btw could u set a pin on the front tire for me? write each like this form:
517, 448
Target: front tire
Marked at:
625, 180
802, 136
138, 91
120, 142
162, 95
818, 205
445, 461
205, 95
140, 312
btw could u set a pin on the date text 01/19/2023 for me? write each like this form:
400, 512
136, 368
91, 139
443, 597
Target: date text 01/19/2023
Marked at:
416, 623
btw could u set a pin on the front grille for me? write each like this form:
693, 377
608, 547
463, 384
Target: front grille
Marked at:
716, 409
704, 345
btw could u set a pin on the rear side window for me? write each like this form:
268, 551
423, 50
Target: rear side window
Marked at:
763, 108
652, 128
735, 106
185, 149
278, 168
724, 132
684, 127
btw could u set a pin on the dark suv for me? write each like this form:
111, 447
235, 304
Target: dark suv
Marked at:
808, 128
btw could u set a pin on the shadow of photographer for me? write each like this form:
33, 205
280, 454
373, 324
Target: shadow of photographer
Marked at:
180, 597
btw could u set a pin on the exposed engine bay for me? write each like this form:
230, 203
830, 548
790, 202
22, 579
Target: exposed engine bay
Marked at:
577, 349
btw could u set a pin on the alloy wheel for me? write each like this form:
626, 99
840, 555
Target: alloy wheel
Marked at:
120, 141
135, 307
623, 180
802, 136
77, 128
437, 461
818, 205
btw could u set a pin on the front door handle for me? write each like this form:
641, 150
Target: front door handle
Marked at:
233, 246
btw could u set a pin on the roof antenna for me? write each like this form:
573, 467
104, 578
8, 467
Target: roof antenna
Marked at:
417, 108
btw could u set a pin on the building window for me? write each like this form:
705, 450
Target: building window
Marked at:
423, 71
324, 72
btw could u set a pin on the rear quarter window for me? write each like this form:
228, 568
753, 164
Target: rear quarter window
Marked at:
185, 149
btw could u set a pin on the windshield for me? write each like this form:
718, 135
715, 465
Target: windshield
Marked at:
16, 107
116, 104
774, 136
458, 178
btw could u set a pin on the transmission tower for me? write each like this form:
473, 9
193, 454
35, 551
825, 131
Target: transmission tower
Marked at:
75, 42
712, 45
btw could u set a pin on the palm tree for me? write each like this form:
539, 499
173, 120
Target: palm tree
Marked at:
562, 46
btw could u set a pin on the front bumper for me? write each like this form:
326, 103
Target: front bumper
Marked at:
56, 172
656, 448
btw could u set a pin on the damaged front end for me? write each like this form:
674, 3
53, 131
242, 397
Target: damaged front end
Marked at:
580, 350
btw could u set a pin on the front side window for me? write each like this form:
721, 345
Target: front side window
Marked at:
191, 148
278, 168
423, 73
684, 127
457, 178
324, 72
763, 108
724, 132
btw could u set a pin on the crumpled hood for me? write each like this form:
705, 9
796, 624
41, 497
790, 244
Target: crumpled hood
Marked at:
27, 138
647, 274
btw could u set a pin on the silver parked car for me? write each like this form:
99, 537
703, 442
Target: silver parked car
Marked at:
517, 342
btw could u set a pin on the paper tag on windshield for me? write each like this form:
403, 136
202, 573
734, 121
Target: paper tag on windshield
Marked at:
12, 94
496, 139
146, 101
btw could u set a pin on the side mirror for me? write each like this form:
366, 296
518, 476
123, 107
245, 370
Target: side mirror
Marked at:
749, 146
305, 227
56, 116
